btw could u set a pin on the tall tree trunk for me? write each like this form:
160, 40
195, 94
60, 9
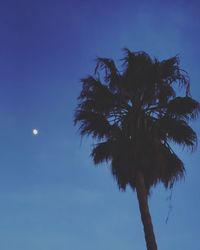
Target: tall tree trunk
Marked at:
145, 214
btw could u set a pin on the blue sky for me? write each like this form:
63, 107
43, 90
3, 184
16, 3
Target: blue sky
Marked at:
51, 195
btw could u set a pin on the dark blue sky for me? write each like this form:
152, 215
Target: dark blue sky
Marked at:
51, 196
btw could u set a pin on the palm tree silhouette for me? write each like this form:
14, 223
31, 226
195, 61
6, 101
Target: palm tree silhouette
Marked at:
133, 115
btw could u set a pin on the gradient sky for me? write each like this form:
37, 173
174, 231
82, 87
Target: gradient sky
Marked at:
51, 195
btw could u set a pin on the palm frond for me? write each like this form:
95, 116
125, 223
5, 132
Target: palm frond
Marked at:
91, 123
178, 131
165, 93
112, 75
102, 152
96, 96
122, 164
133, 58
183, 108
171, 72
169, 167
140, 78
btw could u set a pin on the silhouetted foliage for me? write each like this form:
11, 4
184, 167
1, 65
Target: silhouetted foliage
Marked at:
134, 114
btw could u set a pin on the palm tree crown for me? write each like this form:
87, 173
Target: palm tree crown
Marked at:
134, 114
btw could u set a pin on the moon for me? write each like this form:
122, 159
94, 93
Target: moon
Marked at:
35, 131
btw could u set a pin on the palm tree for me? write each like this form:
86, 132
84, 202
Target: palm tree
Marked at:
133, 115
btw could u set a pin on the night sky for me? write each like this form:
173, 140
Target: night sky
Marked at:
51, 195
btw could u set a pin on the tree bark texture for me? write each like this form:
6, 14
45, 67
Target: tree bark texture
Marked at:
145, 214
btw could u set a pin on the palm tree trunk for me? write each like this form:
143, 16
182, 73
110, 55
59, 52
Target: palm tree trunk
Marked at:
145, 214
